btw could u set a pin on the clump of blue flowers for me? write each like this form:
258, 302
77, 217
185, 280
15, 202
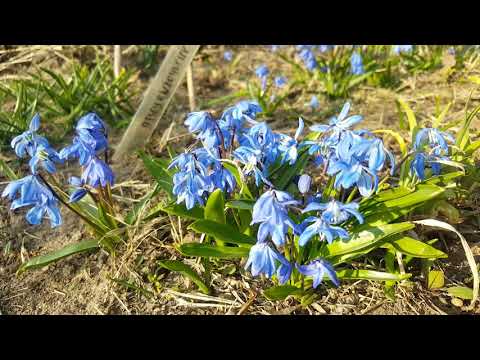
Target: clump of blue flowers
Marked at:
355, 159
41, 191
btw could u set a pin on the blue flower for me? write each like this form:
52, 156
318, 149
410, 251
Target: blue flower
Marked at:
280, 81
79, 192
356, 64
228, 56
398, 49
192, 182
284, 271
262, 71
321, 227
33, 192
335, 212
289, 147
28, 141
97, 173
252, 159
233, 119
203, 124
433, 138
92, 131
46, 157
314, 103
317, 269
304, 183
262, 259
79, 149
372, 151
48, 207
307, 56
271, 212
352, 172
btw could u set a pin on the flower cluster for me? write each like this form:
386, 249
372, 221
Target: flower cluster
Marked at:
430, 148
263, 74
35, 190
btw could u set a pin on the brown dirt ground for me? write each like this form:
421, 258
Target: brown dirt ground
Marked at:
89, 284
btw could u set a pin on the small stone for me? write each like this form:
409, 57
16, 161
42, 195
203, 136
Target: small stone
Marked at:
457, 302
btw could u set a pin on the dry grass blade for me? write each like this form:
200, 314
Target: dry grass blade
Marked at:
466, 248
201, 297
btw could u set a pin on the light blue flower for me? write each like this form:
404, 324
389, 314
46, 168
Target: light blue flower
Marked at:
336, 212
304, 183
262, 259
97, 173
284, 270
28, 141
271, 211
280, 81
46, 157
398, 49
262, 71
46, 207
356, 64
320, 227
228, 56
308, 57
317, 269
91, 130
314, 103
79, 191
431, 137
352, 172
289, 147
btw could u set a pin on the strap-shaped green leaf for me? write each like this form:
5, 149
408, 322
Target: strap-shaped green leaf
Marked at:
185, 270
69, 250
215, 207
370, 275
222, 232
415, 248
205, 250
178, 210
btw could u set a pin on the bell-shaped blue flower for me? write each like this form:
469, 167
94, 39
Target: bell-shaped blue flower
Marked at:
79, 149
288, 147
91, 130
97, 173
356, 64
314, 103
280, 81
46, 157
317, 269
28, 141
335, 212
304, 183
262, 260
46, 207
321, 227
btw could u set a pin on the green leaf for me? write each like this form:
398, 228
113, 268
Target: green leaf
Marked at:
159, 173
349, 274
411, 247
132, 216
241, 204
391, 210
461, 292
412, 121
222, 232
215, 207
178, 210
288, 172
185, 270
436, 279
69, 250
281, 292
205, 250
396, 136
366, 238
7, 171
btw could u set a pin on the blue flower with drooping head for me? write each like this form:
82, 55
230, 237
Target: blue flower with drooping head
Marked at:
28, 141
336, 212
308, 57
79, 149
228, 56
314, 103
284, 270
271, 212
398, 49
33, 193
262, 71
304, 183
47, 206
430, 146
317, 269
356, 64
288, 147
97, 173
233, 120
92, 131
192, 182
205, 126
280, 81
46, 157
262, 259
79, 192
321, 227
